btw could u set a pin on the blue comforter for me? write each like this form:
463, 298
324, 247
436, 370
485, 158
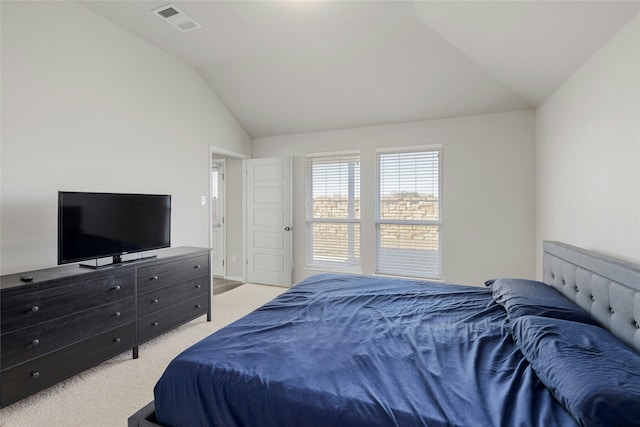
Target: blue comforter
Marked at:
340, 350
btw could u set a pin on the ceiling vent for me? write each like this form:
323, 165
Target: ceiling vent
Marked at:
176, 18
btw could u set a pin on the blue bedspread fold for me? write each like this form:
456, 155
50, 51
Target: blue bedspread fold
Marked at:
340, 350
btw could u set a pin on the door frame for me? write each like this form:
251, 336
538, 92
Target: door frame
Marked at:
219, 151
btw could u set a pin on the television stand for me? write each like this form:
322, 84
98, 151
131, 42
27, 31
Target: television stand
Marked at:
117, 260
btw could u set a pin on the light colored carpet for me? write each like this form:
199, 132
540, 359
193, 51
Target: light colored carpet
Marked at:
109, 393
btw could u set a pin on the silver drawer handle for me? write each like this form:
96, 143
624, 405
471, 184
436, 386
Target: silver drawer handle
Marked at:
154, 277
154, 324
35, 308
117, 314
196, 266
35, 374
198, 286
198, 306
154, 301
116, 340
116, 288
35, 342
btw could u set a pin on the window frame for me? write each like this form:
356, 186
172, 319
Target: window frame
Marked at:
378, 220
354, 264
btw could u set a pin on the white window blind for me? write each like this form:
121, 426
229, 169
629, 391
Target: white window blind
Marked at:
333, 211
408, 214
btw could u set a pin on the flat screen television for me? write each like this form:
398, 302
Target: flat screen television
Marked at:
98, 225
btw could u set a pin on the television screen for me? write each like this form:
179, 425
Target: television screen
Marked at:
96, 225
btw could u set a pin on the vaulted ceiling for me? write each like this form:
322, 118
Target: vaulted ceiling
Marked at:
285, 67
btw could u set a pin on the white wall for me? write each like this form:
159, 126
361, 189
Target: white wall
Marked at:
588, 154
87, 106
488, 226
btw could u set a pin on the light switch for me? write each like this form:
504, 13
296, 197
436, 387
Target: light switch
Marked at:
203, 200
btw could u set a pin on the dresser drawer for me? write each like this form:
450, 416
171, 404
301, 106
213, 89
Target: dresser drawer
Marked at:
40, 305
161, 275
29, 343
161, 321
160, 299
25, 379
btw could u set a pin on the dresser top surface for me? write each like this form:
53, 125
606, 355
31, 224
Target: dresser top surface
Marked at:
11, 281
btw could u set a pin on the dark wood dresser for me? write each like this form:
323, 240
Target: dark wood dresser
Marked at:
68, 319
171, 293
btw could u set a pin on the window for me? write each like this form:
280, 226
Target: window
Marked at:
408, 213
333, 211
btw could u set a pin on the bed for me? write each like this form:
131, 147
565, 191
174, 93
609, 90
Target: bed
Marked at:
341, 350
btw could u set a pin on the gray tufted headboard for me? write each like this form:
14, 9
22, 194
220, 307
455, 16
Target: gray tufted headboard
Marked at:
607, 288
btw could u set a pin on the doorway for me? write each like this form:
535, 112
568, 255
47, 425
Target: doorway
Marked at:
226, 213
255, 189
217, 220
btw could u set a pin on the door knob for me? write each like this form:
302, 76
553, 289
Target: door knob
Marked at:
287, 228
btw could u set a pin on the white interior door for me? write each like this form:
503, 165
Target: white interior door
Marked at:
218, 245
269, 233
